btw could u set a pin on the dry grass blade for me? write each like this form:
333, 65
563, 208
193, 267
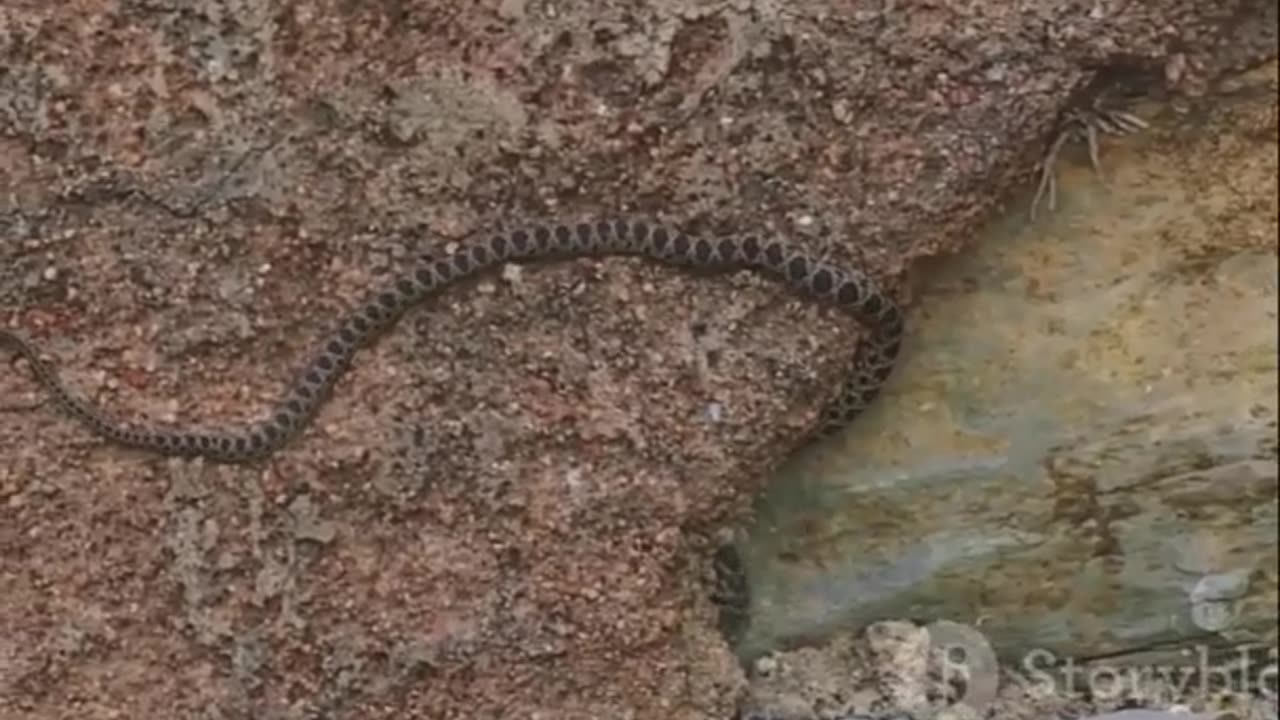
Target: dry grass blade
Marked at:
1048, 184
1088, 125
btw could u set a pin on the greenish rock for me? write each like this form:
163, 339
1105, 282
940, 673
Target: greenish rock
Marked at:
1078, 452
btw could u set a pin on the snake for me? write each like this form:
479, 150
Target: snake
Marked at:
849, 290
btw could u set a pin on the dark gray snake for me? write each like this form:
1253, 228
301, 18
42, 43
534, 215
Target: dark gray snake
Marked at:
847, 289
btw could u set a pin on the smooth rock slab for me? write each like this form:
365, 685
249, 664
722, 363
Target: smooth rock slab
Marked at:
1078, 454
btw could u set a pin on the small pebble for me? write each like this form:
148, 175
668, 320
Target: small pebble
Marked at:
841, 112
766, 665
715, 412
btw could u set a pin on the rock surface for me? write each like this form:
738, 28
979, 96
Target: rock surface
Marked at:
504, 510
898, 671
1078, 455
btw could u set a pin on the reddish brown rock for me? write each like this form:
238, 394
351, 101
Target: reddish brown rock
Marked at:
503, 512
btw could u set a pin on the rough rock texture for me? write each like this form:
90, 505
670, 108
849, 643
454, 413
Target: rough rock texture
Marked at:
1078, 454
502, 512
897, 671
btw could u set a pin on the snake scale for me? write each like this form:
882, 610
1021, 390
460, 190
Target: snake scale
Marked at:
847, 289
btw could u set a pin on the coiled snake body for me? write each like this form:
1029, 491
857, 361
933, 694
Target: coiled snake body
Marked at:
847, 289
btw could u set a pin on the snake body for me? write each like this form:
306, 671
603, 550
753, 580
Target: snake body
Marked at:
847, 289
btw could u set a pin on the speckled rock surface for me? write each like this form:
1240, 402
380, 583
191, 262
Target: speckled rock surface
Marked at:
502, 512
